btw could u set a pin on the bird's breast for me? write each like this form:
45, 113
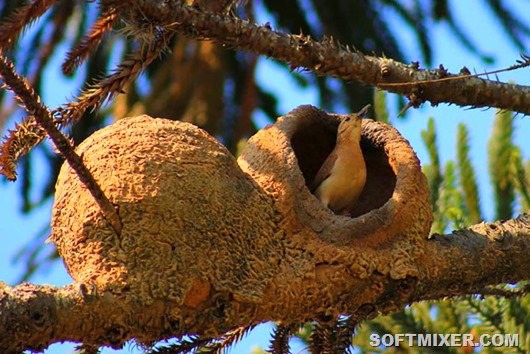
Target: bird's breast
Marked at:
345, 183
349, 174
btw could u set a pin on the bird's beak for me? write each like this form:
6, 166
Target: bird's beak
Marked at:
363, 111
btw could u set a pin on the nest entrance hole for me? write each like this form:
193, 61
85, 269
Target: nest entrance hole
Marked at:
312, 143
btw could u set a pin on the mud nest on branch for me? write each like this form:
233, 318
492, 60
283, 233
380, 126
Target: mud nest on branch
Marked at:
226, 243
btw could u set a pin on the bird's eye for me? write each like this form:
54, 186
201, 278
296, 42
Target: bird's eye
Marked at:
347, 119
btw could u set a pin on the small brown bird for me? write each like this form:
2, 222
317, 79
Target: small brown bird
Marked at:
340, 181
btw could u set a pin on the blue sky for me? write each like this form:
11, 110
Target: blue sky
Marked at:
17, 230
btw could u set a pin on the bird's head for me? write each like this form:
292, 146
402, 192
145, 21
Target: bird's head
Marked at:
350, 126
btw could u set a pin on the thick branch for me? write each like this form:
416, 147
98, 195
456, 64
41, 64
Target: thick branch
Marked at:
33, 316
328, 58
467, 260
454, 264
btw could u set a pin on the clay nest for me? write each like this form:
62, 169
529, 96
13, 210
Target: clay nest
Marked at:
334, 254
226, 243
395, 199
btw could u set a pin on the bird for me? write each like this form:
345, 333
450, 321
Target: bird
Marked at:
341, 178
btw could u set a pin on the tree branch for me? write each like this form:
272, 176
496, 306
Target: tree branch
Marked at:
327, 58
468, 260
454, 264
40, 113
33, 316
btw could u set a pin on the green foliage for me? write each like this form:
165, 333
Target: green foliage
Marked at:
454, 190
520, 179
417, 319
381, 112
497, 315
433, 170
500, 149
468, 179
450, 212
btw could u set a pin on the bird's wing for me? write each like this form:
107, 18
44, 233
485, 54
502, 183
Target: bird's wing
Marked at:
324, 172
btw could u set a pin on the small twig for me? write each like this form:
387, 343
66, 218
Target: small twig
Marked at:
114, 84
32, 103
525, 62
206, 344
76, 56
13, 26
28, 134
